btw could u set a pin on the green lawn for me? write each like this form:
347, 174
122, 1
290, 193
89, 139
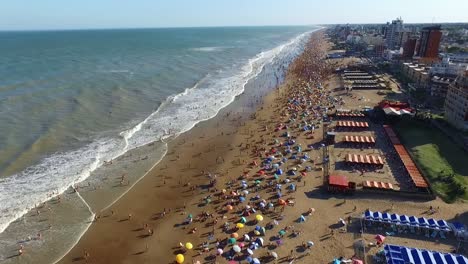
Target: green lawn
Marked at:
443, 162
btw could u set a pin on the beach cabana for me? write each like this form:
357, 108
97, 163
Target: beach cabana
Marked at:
386, 217
376, 216
413, 220
423, 221
432, 223
395, 254
395, 218
404, 219
368, 215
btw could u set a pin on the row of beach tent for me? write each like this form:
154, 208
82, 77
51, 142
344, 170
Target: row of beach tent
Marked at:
415, 221
402, 255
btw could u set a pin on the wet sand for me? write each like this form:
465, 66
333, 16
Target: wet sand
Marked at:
223, 146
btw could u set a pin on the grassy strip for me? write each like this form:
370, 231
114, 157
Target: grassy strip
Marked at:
443, 162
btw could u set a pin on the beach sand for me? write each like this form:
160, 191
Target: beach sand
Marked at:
219, 147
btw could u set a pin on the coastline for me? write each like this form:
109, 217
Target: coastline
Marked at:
217, 129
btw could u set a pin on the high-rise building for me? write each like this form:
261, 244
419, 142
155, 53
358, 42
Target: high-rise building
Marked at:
408, 48
456, 103
429, 42
394, 30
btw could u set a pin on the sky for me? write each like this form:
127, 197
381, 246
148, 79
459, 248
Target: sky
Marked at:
86, 14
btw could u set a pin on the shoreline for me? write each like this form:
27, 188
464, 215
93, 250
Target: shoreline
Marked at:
85, 194
193, 133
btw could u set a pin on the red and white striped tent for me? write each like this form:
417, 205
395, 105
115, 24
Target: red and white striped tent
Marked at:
352, 124
350, 115
378, 185
364, 159
359, 139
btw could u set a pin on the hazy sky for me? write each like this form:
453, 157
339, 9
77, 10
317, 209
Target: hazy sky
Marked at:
77, 14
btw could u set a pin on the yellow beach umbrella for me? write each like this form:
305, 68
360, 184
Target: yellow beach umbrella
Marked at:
188, 245
179, 258
259, 217
240, 225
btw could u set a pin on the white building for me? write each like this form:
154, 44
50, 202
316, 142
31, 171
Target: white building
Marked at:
393, 33
446, 67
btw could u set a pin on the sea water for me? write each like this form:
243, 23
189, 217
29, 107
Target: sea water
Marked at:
73, 101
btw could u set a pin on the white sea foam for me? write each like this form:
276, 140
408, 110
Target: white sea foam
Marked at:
210, 49
179, 113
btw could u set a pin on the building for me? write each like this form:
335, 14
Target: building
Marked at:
429, 42
456, 57
418, 74
448, 67
393, 34
456, 103
439, 86
408, 48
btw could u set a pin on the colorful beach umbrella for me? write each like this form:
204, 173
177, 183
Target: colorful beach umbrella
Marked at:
259, 217
236, 248
180, 258
188, 245
232, 240
240, 225
219, 251
274, 254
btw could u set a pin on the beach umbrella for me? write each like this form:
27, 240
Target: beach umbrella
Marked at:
255, 261
259, 241
241, 244
274, 254
259, 217
310, 243
380, 238
357, 261
253, 246
301, 219
229, 207
258, 228
234, 235
243, 220
246, 237
240, 225
188, 245
249, 259
249, 251
282, 232
241, 199
245, 192
236, 248
232, 240
279, 242
219, 251
256, 232
336, 261
180, 258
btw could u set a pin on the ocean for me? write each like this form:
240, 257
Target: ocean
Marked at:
80, 108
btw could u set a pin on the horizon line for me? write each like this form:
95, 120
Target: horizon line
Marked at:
222, 26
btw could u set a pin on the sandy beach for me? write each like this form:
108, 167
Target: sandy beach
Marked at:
216, 176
